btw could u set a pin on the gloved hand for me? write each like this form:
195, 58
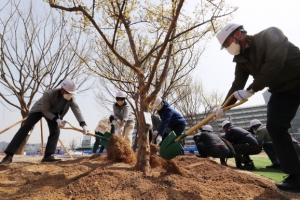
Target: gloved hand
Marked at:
242, 94
155, 133
84, 130
116, 132
121, 129
59, 123
119, 121
158, 139
105, 126
219, 112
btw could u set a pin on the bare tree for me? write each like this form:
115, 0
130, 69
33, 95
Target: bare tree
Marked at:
37, 53
138, 42
195, 103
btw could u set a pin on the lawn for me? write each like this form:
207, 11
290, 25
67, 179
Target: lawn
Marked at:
260, 165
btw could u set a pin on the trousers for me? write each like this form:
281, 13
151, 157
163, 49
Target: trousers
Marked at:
28, 124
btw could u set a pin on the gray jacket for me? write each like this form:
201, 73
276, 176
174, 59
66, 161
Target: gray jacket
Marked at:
263, 135
49, 100
122, 113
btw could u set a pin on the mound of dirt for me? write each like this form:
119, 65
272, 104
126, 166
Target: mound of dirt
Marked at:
119, 150
190, 177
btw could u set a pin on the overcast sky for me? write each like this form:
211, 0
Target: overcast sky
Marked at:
216, 69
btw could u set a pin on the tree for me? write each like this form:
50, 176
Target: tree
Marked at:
142, 38
195, 100
37, 52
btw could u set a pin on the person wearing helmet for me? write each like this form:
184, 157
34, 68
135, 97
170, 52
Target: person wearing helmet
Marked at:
273, 62
210, 145
104, 125
244, 144
53, 106
264, 139
169, 118
124, 123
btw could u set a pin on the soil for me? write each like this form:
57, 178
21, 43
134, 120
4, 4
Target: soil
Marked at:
114, 177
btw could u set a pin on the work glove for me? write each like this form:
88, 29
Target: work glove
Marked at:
219, 112
119, 121
60, 123
155, 133
116, 132
158, 139
242, 94
84, 130
121, 129
105, 126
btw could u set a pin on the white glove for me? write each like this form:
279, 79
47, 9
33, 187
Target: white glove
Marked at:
116, 132
84, 130
121, 129
105, 126
60, 124
219, 112
158, 139
155, 133
119, 121
242, 94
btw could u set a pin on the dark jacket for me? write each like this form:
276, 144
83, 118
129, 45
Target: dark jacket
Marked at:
169, 118
49, 100
210, 140
237, 135
272, 60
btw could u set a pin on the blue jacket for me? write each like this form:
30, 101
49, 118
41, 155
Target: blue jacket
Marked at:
169, 118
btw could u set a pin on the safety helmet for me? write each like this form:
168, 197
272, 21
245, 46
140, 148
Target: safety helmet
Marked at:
121, 94
207, 128
254, 122
223, 34
156, 102
69, 86
224, 123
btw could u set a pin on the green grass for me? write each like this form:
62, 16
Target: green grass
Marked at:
260, 165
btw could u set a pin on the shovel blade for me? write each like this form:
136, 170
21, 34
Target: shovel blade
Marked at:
169, 148
104, 139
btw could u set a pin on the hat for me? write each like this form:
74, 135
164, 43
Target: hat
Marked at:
207, 128
255, 122
226, 31
224, 123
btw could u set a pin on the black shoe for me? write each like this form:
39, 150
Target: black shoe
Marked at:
292, 183
50, 159
224, 163
248, 166
6, 160
274, 166
198, 155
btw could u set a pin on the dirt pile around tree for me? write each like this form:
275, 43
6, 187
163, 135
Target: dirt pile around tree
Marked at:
101, 178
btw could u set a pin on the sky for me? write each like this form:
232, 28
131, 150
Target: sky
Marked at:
215, 69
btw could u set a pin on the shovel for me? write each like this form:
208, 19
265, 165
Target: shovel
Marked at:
104, 139
171, 145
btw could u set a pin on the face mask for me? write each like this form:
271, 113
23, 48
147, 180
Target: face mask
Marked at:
234, 49
68, 96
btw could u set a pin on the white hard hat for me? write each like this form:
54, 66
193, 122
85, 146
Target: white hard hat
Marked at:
69, 86
207, 128
226, 31
121, 94
225, 122
255, 122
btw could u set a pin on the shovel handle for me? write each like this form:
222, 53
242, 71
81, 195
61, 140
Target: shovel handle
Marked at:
210, 117
18, 122
74, 128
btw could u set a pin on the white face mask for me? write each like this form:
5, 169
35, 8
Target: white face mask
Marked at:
68, 96
234, 49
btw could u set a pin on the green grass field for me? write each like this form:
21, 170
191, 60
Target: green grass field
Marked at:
260, 165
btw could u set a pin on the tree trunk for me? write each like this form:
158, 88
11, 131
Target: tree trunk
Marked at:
134, 146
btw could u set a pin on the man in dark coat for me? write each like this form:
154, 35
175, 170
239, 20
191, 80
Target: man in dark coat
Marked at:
273, 62
244, 144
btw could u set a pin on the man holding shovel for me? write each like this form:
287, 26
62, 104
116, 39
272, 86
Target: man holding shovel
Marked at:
274, 62
53, 106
